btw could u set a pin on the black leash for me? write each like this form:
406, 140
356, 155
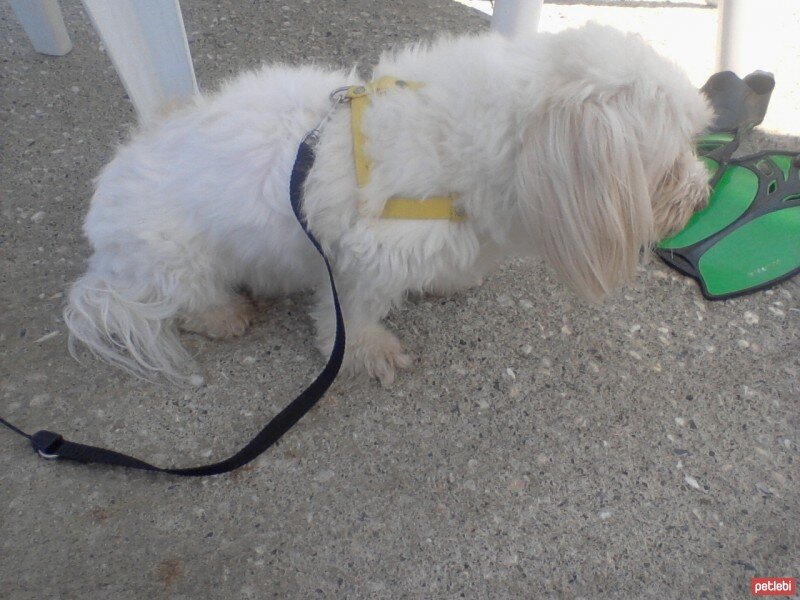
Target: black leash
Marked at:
52, 445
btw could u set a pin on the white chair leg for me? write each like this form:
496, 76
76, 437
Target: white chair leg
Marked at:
736, 22
147, 43
44, 25
516, 17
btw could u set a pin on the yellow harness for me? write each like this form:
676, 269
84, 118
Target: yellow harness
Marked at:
433, 208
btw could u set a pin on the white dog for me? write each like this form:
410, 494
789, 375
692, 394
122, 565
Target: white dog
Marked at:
577, 147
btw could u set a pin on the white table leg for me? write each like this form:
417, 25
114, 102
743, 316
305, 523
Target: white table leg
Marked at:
516, 17
44, 25
147, 44
738, 35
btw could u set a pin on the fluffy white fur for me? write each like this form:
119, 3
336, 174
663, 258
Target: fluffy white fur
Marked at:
575, 146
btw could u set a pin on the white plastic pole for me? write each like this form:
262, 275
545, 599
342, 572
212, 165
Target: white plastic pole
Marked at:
147, 43
44, 25
516, 17
739, 35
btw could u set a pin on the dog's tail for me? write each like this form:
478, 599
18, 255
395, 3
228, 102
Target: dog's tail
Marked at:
126, 326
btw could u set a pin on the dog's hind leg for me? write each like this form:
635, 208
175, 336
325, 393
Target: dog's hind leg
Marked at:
127, 309
226, 320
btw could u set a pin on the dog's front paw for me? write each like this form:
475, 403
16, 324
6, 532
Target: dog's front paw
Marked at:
376, 352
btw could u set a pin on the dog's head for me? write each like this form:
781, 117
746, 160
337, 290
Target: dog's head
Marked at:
607, 164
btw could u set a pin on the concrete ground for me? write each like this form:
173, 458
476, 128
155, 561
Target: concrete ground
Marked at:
645, 448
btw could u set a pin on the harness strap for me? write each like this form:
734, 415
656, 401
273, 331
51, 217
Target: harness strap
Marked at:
52, 445
432, 208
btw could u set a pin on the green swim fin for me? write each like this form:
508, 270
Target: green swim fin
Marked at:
748, 237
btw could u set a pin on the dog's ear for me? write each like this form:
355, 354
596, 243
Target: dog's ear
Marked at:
583, 189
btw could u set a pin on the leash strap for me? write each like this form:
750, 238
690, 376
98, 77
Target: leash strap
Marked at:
52, 445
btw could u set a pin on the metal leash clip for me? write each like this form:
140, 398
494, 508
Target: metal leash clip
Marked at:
337, 97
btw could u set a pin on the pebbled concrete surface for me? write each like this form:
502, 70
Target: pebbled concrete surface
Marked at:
646, 448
